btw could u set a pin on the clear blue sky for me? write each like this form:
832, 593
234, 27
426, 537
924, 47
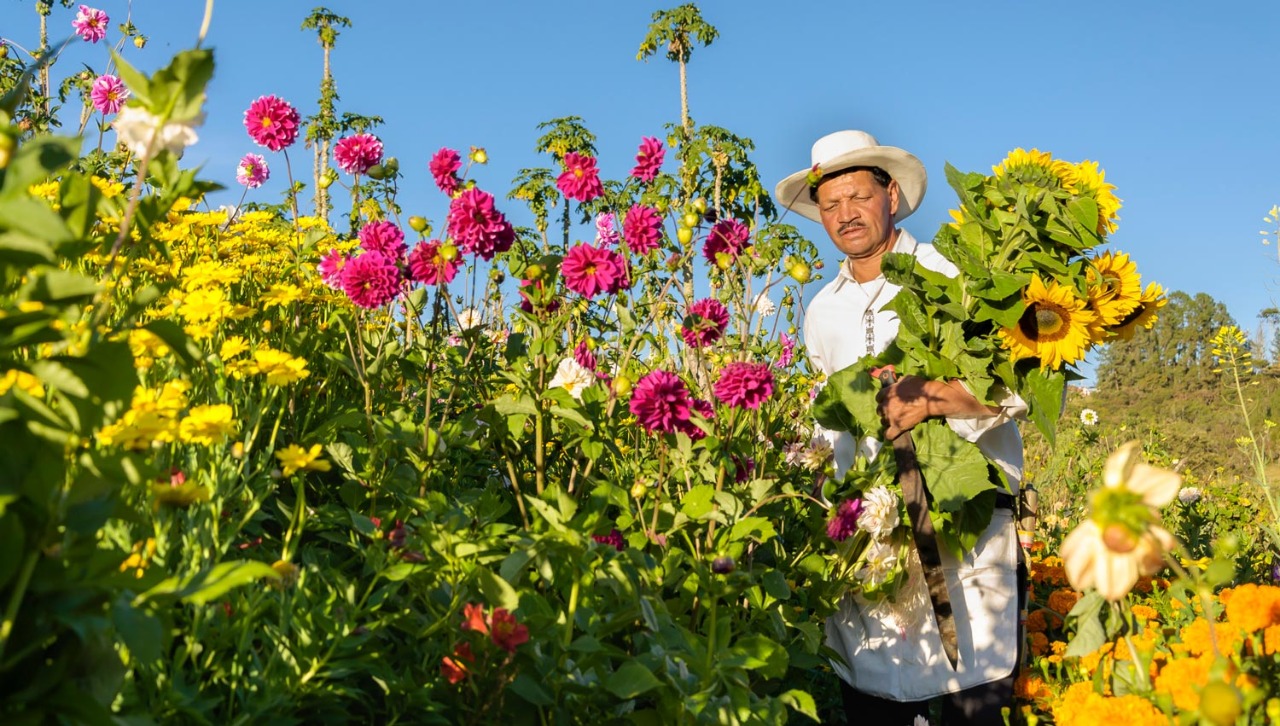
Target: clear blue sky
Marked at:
1177, 101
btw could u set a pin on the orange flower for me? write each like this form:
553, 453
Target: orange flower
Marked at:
1080, 706
455, 669
474, 619
1039, 643
1146, 613
1271, 640
1182, 679
1063, 599
1031, 688
1036, 622
1196, 638
1253, 607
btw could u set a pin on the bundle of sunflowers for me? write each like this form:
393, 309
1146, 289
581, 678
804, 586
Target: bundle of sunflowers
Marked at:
1031, 298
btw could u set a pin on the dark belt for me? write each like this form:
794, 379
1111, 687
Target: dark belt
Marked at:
1005, 500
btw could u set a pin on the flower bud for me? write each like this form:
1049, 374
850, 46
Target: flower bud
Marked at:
377, 171
419, 224
638, 490
448, 252
479, 155
684, 235
139, 41
324, 182
690, 220
722, 565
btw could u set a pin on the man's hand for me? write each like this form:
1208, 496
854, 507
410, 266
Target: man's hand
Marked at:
913, 399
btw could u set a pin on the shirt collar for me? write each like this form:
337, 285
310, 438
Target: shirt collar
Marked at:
905, 243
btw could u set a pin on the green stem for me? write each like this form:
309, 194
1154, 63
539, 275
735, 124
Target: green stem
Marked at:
15, 598
573, 609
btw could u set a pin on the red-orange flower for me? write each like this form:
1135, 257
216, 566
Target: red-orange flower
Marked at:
507, 633
455, 669
474, 618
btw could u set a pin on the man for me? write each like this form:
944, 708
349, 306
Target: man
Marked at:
894, 660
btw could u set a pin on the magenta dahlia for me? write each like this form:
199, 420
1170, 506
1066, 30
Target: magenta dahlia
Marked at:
444, 168
590, 271
660, 402
90, 24
613, 539
648, 159
272, 122
607, 229
728, 237
384, 237
845, 521
705, 323
744, 385
356, 153
252, 171
581, 179
330, 268
788, 351
371, 280
108, 94
703, 409
642, 229
477, 226
428, 266
583, 355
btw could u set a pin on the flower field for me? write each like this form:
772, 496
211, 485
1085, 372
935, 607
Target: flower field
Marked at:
544, 454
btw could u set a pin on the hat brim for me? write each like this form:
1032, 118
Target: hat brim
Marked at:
903, 167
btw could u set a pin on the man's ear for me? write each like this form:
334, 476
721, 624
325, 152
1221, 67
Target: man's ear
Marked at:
893, 196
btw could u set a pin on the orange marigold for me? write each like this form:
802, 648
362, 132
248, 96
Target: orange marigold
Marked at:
1197, 639
1271, 640
1253, 607
1039, 643
1036, 622
1146, 612
1086, 708
1031, 688
1063, 599
1182, 679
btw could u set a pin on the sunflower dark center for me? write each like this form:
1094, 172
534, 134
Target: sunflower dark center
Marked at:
1044, 322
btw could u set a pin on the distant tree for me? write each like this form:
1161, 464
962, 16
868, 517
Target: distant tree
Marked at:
1176, 352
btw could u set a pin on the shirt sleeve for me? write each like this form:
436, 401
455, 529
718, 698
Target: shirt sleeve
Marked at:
1012, 408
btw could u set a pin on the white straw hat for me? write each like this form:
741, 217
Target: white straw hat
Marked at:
845, 149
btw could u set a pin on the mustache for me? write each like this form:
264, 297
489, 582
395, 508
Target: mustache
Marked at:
849, 225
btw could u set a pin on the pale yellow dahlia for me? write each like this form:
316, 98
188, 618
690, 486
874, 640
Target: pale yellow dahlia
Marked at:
1054, 328
1122, 539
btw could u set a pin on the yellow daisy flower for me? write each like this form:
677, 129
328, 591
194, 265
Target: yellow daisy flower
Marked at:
207, 425
294, 458
279, 367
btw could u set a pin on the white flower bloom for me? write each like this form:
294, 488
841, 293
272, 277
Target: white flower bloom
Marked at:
879, 564
573, 377
1189, 495
764, 306
1089, 417
136, 129
816, 455
879, 512
469, 318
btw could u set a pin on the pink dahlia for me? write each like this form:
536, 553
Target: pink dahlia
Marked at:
845, 521
728, 237
371, 280
272, 122
356, 153
330, 268
660, 402
744, 385
585, 358
383, 237
252, 171
428, 266
788, 351
444, 168
648, 159
581, 179
642, 229
703, 409
590, 271
108, 94
91, 24
705, 323
607, 229
477, 226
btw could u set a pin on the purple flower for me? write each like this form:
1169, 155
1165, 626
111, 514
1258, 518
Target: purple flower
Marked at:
613, 539
91, 24
252, 171
788, 351
606, 229
108, 94
845, 522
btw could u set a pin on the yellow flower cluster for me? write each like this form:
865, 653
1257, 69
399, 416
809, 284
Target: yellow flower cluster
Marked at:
155, 416
23, 381
294, 458
279, 368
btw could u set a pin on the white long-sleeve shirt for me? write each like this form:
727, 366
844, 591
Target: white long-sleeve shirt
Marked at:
893, 650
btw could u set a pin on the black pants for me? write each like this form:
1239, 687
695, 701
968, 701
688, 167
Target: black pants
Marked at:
977, 706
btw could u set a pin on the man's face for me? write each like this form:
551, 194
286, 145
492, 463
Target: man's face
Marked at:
858, 213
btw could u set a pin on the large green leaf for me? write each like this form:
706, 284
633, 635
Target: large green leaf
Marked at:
954, 470
497, 591
696, 503
759, 653
848, 401
631, 680
210, 584
1045, 393
36, 160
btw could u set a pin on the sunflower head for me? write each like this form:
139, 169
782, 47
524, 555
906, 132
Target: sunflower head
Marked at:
1087, 180
1143, 315
1034, 167
1115, 288
1054, 328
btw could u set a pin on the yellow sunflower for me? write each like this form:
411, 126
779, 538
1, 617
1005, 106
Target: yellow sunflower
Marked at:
1114, 287
1142, 316
1087, 180
1021, 159
1054, 328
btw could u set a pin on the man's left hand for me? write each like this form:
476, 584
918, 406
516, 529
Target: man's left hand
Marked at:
913, 399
